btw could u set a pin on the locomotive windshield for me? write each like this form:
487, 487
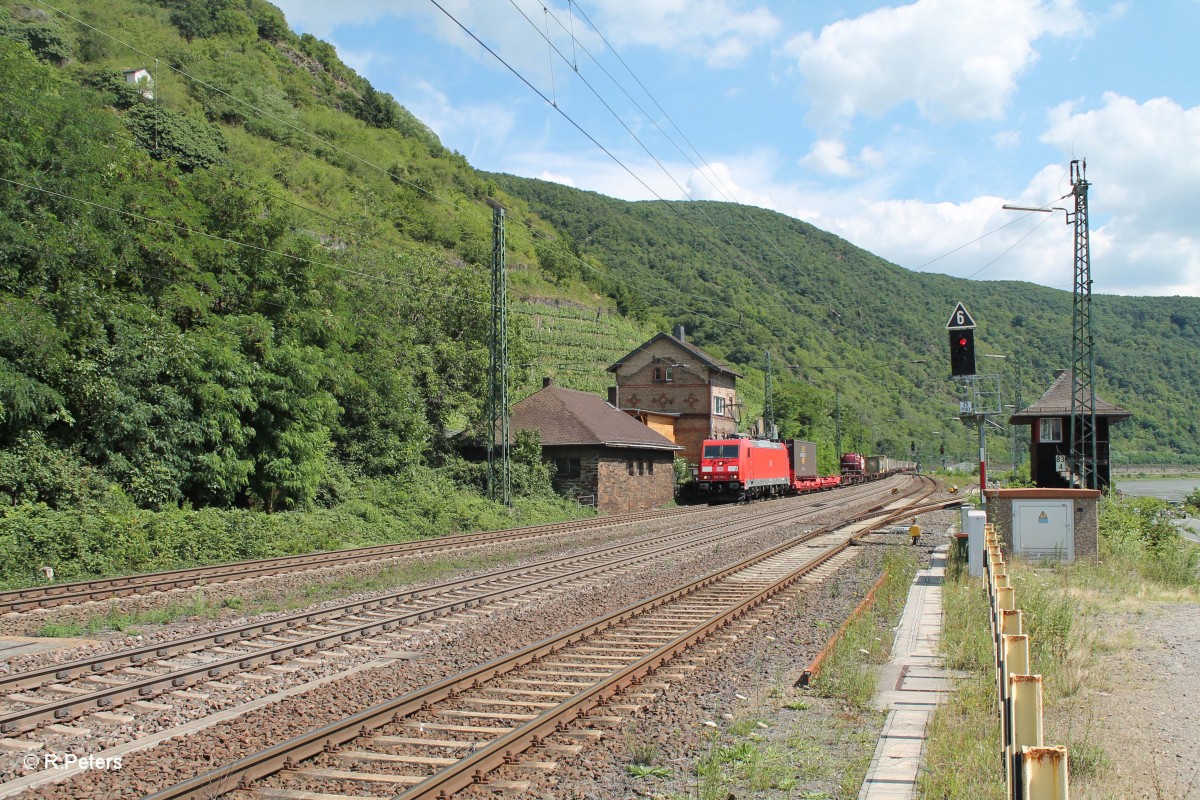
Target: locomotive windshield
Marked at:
720, 451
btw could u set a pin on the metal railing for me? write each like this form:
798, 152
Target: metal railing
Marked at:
1032, 769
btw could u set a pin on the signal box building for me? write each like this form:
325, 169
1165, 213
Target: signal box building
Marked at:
602, 456
669, 376
1049, 420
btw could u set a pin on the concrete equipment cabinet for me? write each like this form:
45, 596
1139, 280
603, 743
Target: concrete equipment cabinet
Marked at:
1054, 524
973, 523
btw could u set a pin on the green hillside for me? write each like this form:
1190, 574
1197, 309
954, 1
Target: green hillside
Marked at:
744, 280
255, 283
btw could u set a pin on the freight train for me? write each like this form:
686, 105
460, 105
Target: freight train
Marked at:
747, 469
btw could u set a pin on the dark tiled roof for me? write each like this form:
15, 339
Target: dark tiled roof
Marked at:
566, 416
700, 355
1056, 402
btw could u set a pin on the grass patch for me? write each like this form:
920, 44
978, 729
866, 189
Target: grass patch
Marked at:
821, 746
849, 672
1142, 562
115, 620
752, 763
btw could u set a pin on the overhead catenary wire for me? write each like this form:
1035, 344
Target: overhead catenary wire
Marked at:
749, 265
709, 173
398, 178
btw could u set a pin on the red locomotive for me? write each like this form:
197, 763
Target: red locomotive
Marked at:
746, 469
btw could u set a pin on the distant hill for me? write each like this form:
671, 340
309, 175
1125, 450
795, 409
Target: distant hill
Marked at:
744, 280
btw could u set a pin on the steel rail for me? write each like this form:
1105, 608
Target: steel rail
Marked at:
104, 588
137, 656
286, 755
150, 686
35, 597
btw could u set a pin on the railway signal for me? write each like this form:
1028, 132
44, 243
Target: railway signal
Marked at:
962, 342
962, 353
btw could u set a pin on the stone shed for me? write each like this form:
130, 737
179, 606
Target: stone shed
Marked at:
602, 456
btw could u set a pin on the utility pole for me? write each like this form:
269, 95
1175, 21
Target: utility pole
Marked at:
1018, 446
1083, 355
499, 476
768, 407
837, 418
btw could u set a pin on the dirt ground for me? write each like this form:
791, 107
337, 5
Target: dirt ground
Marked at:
1146, 718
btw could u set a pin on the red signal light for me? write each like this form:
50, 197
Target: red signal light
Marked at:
962, 341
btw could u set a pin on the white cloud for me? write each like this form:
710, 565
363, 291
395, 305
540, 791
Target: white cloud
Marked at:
954, 59
723, 181
492, 121
1143, 167
361, 61
553, 178
829, 157
720, 32
1006, 140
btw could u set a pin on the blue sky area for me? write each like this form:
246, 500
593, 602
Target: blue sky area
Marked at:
903, 128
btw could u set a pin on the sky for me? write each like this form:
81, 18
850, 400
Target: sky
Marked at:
902, 127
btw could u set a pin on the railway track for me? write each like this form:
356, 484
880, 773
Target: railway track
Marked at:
17, 600
64, 692
467, 729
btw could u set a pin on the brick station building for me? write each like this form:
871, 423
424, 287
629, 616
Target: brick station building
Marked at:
601, 455
669, 376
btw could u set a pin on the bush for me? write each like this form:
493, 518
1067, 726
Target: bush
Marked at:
1138, 532
33, 471
1191, 502
165, 133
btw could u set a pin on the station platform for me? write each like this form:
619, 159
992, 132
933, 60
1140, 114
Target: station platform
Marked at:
911, 685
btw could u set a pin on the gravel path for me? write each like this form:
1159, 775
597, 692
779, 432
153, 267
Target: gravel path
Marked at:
1147, 719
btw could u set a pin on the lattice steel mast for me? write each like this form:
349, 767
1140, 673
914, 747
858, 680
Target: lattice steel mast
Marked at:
1083, 356
499, 475
768, 404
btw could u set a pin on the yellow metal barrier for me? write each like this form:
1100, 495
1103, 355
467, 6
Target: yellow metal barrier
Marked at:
1032, 771
1044, 773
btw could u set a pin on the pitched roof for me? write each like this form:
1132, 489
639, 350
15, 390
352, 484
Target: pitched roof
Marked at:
691, 349
569, 417
1056, 402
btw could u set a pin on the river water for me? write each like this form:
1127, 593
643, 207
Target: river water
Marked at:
1173, 489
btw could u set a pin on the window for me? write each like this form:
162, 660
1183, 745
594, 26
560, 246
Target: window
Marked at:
664, 374
641, 467
650, 467
629, 466
1050, 429
720, 451
566, 468
718, 405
